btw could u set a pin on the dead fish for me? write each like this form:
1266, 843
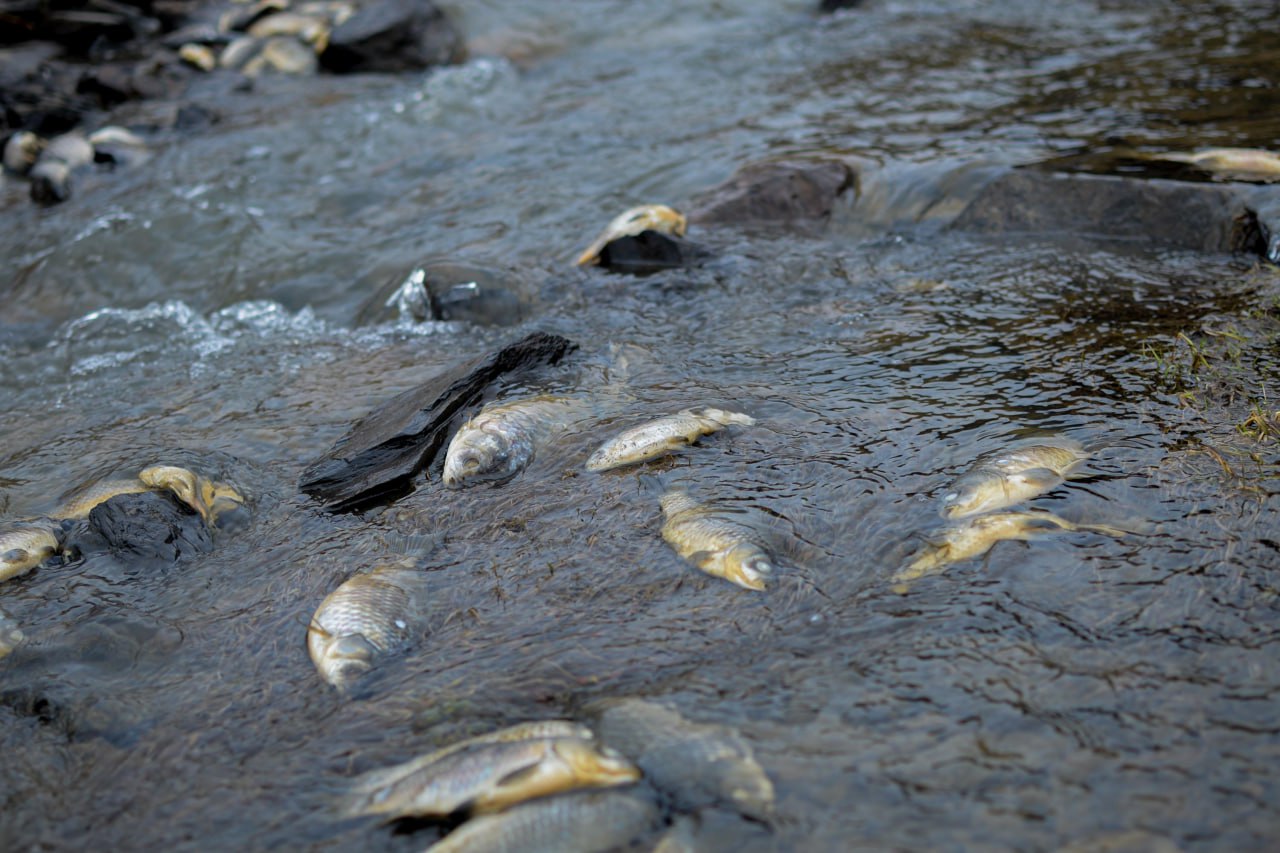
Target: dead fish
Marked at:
500, 441
1240, 164
717, 544
368, 784
1007, 477
199, 56
575, 823
664, 435
118, 145
283, 54
21, 151
976, 536
491, 777
306, 28
182, 482
370, 614
696, 764
26, 546
11, 635
637, 220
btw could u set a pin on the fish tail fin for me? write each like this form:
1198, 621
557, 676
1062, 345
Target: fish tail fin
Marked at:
415, 547
652, 484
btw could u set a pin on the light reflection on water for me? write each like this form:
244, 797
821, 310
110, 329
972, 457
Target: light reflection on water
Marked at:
1051, 691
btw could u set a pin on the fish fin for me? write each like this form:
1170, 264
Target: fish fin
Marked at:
515, 777
700, 558
414, 546
592, 254
1041, 478
651, 484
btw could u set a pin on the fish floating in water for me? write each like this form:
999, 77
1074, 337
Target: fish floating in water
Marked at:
632, 223
583, 822
664, 435
710, 539
491, 774
697, 765
975, 537
501, 440
11, 635
370, 614
26, 546
1237, 164
184, 484
1007, 477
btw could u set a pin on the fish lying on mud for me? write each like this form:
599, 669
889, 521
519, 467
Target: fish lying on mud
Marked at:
664, 435
27, 545
486, 777
11, 635
975, 537
583, 822
696, 764
712, 540
370, 614
1010, 476
634, 222
500, 441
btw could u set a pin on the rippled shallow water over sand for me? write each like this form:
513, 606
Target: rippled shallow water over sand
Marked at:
1076, 688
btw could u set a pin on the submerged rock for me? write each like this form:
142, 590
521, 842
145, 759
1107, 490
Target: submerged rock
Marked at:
1203, 217
393, 36
150, 525
376, 461
777, 193
646, 252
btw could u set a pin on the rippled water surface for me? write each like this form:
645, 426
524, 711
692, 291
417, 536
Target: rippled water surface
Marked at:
223, 306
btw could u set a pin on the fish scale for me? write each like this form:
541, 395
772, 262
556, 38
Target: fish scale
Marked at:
663, 435
377, 608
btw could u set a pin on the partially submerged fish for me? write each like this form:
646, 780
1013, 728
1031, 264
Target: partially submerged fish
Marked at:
664, 435
1242, 164
501, 440
370, 614
184, 484
26, 546
1007, 477
367, 784
489, 777
713, 541
11, 635
575, 823
637, 220
975, 537
696, 764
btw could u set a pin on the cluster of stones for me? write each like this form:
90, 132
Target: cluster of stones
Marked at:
48, 164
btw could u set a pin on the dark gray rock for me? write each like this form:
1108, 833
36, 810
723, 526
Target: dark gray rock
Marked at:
1203, 217
777, 194
376, 461
393, 36
644, 253
148, 526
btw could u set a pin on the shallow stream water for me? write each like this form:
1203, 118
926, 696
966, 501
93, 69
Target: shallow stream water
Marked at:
221, 305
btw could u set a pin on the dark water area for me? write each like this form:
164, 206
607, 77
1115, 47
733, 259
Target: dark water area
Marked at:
222, 306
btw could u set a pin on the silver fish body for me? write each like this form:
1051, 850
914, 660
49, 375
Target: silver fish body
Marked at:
661, 436
501, 440
368, 615
489, 777
368, 784
713, 541
27, 545
1007, 477
696, 764
976, 536
584, 822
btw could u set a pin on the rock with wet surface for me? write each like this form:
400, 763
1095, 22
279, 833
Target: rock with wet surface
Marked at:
778, 194
1203, 217
377, 460
393, 36
646, 252
150, 526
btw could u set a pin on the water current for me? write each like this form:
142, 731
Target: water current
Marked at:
222, 304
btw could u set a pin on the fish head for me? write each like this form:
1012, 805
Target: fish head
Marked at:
345, 658
971, 495
182, 482
226, 507
479, 454
748, 788
594, 764
747, 566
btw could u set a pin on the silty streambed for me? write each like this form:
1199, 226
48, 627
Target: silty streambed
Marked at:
1074, 688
